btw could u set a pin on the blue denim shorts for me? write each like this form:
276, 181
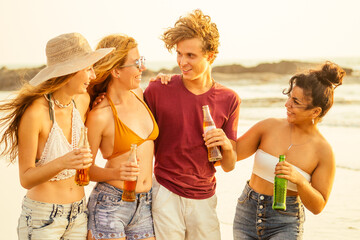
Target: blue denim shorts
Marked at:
40, 220
110, 217
255, 218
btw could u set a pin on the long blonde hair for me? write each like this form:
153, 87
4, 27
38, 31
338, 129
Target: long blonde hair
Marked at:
14, 110
122, 44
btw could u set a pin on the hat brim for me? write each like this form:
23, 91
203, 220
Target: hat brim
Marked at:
70, 66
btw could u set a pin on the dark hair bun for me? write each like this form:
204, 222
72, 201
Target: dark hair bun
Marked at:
331, 74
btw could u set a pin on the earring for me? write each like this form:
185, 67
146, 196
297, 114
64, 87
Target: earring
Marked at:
313, 121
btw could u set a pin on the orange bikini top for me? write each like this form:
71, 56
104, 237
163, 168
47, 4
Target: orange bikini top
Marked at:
124, 136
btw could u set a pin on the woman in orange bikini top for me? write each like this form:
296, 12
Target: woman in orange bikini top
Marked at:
118, 121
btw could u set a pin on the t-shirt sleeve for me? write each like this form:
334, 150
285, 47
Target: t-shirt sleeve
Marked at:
231, 125
149, 97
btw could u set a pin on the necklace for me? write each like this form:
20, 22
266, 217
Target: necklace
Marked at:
291, 144
57, 103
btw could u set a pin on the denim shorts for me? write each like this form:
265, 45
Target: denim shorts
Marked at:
255, 218
39, 220
110, 217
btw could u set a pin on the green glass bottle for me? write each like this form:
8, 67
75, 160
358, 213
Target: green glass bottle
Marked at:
280, 188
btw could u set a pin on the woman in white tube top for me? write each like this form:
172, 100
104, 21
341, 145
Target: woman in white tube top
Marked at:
309, 166
42, 128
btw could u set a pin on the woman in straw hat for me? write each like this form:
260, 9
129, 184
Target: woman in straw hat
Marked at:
118, 121
43, 125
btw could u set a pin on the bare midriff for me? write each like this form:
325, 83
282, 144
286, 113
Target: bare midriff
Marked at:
262, 186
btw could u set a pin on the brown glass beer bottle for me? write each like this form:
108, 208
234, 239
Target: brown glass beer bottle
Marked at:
129, 194
214, 153
82, 177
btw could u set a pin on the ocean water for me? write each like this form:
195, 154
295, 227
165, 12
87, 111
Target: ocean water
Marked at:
348, 62
156, 65
345, 111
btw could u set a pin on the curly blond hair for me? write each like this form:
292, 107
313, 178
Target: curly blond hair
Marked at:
194, 25
122, 44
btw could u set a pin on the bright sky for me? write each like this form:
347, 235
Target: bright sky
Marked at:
258, 29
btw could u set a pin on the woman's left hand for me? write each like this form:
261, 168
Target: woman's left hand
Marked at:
288, 171
98, 99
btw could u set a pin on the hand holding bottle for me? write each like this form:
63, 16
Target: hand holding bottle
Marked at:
129, 194
82, 177
214, 153
128, 170
280, 190
288, 172
217, 137
76, 159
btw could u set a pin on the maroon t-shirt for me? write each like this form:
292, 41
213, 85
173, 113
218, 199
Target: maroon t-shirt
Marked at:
181, 163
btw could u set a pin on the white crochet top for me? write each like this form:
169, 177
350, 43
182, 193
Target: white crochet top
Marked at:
57, 145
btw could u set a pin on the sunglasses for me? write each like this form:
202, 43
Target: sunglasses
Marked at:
139, 63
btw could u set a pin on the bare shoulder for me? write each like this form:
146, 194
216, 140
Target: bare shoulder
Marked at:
36, 114
324, 150
264, 127
273, 121
100, 115
37, 109
270, 123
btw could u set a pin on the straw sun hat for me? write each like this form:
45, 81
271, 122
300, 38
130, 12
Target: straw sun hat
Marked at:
66, 54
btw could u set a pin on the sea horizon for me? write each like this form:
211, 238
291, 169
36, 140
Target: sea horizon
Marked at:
352, 62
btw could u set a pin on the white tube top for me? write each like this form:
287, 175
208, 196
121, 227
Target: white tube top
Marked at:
264, 167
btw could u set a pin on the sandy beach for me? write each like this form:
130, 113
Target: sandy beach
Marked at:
339, 220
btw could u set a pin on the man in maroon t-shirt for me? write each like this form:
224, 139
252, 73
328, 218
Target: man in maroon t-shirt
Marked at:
184, 200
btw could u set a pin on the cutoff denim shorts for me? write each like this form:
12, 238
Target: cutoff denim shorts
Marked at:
40, 221
110, 217
255, 218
